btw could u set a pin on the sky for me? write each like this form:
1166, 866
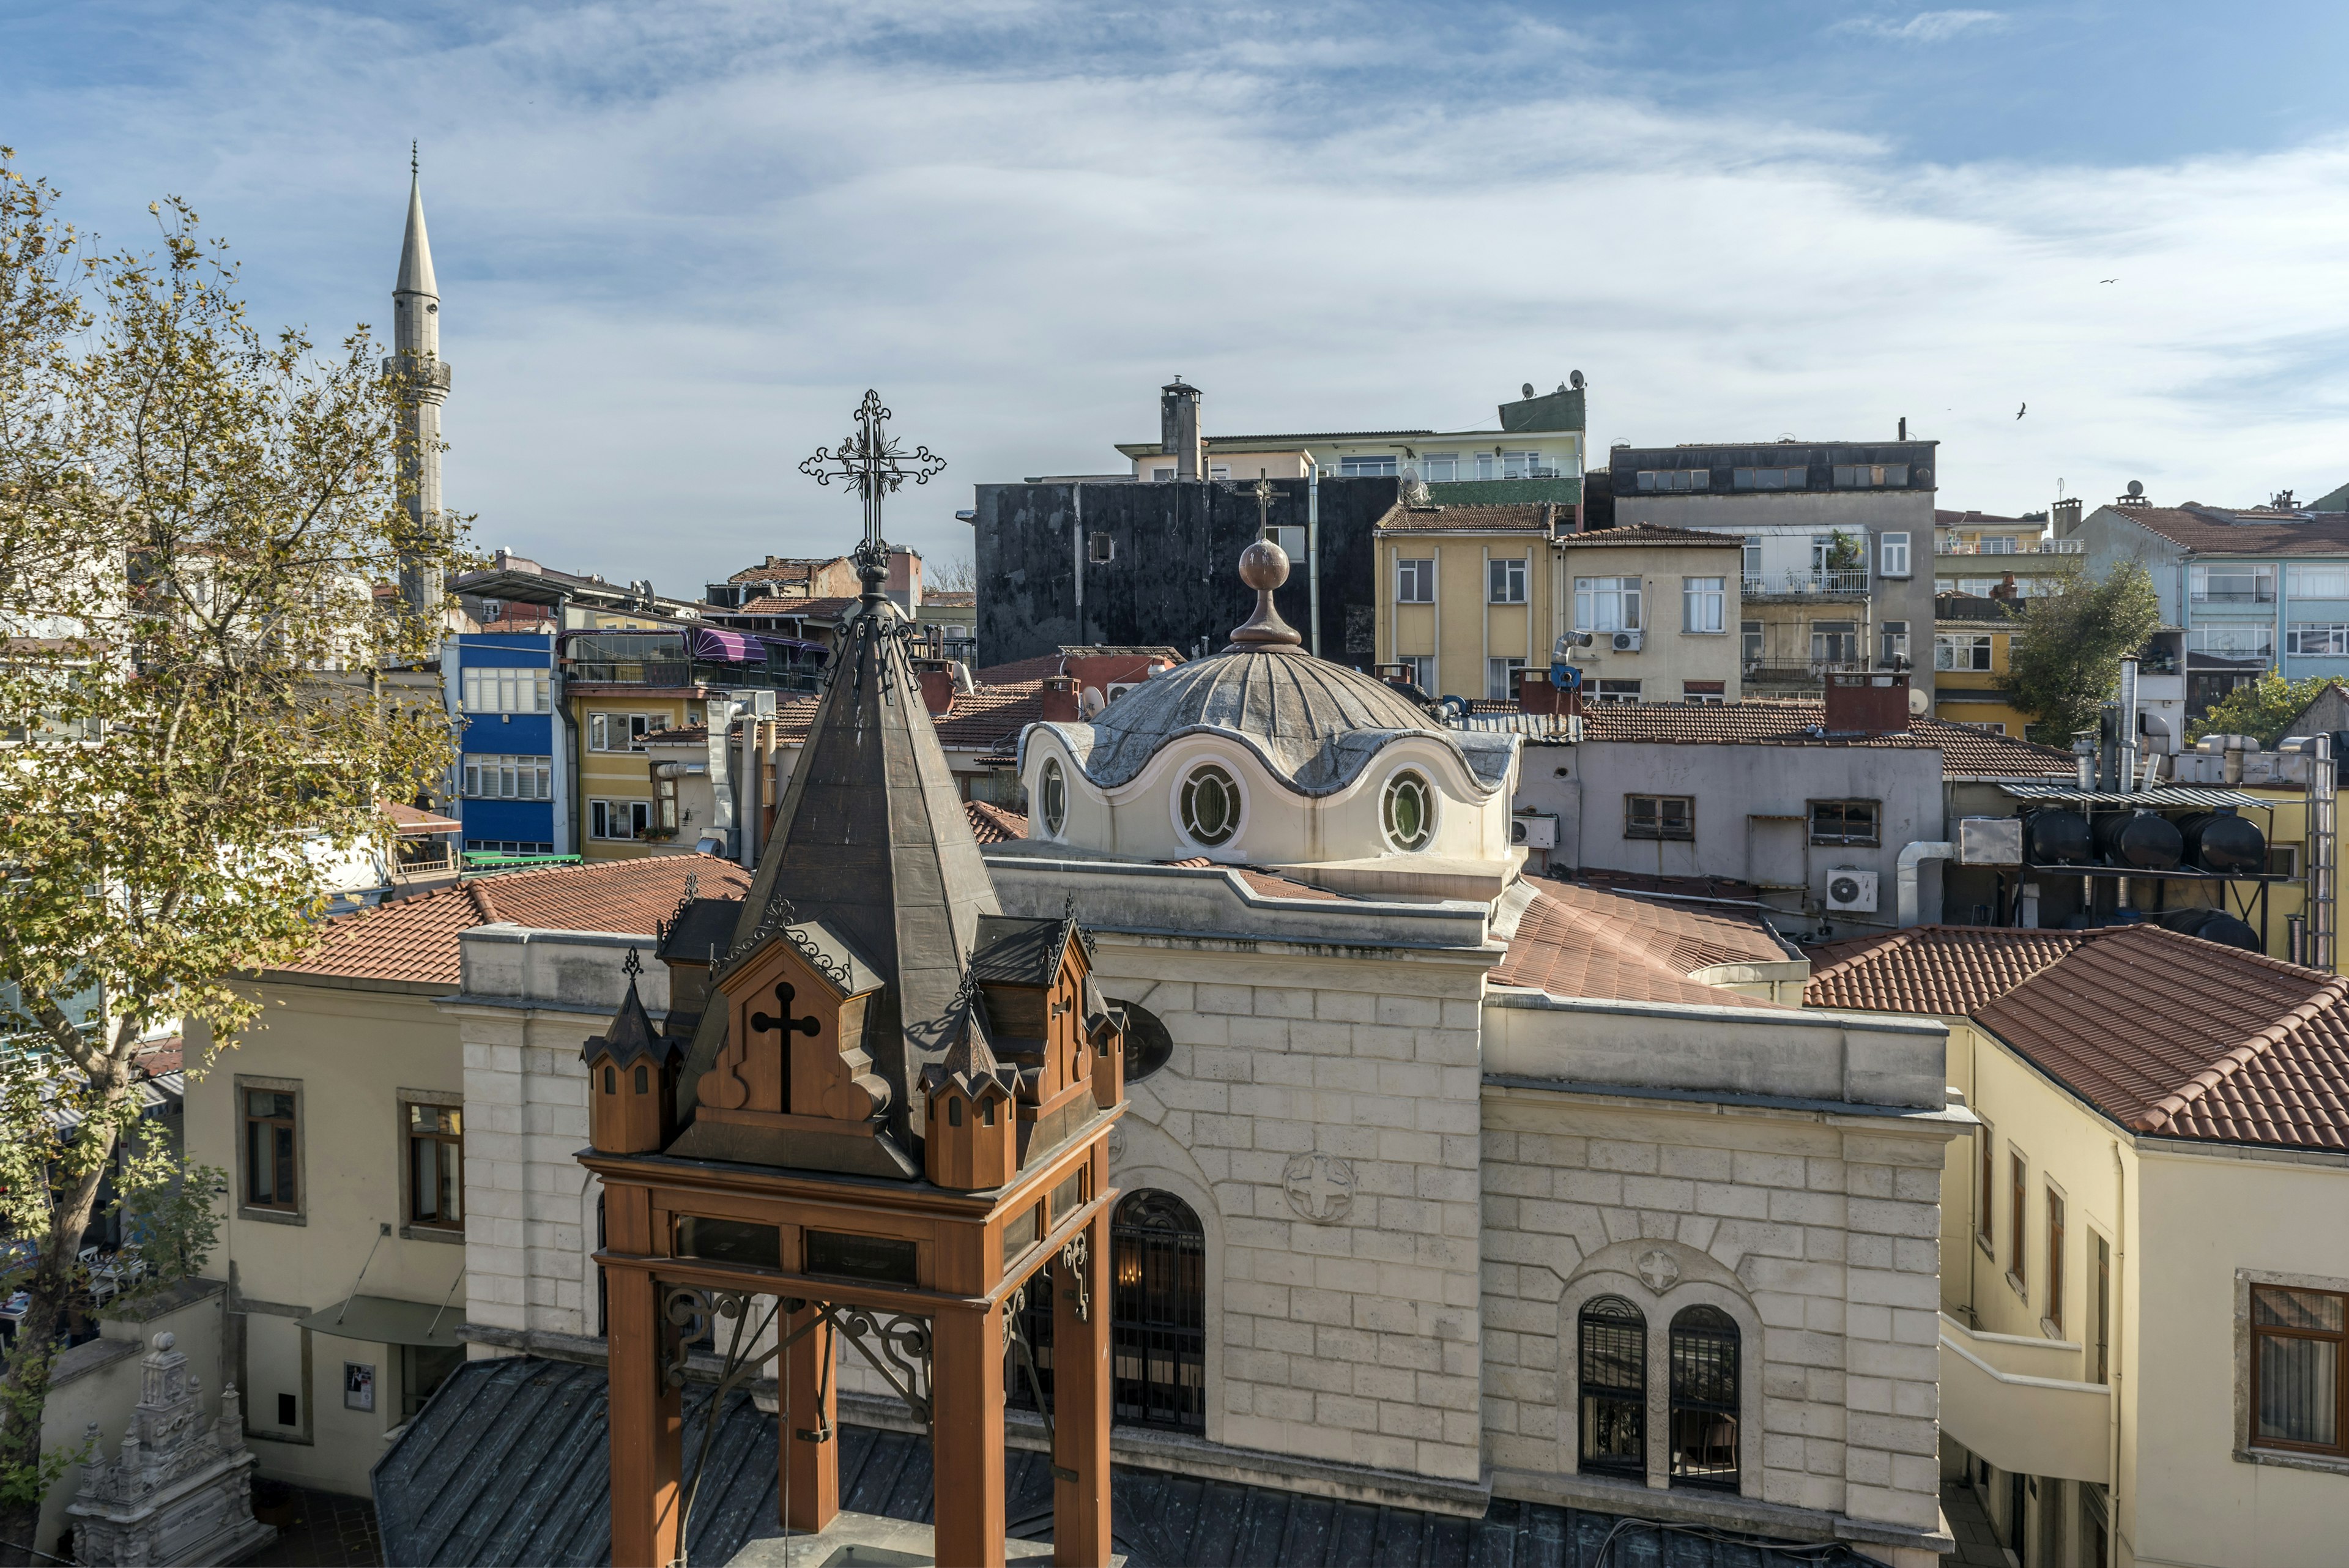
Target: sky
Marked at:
675, 243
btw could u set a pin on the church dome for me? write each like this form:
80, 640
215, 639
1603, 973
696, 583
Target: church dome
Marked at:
1314, 723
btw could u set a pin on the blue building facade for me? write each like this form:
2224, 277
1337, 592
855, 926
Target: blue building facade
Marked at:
511, 787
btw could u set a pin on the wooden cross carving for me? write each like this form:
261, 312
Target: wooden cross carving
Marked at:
785, 995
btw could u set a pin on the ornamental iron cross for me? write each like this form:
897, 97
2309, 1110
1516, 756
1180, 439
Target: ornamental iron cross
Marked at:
876, 465
1263, 506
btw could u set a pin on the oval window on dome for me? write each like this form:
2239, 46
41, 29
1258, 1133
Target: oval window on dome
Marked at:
1211, 804
1408, 810
1052, 796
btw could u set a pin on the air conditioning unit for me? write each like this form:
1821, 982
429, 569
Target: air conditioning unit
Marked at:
1627, 642
1851, 890
1534, 830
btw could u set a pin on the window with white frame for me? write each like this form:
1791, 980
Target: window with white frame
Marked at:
2231, 582
2257, 642
1752, 564
1896, 641
2322, 580
1702, 603
1870, 475
1769, 478
2325, 639
1488, 465
1892, 555
1367, 467
621, 731
1961, 651
1415, 582
490, 777
1834, 642
1749, 634
1526, 465
1219, 471
1704, 694
508, 690
1605, 604
1501, 679
618, 819
1670, 478
1505, 580
1421, 668
1162, 475
1439, 467
1616, 691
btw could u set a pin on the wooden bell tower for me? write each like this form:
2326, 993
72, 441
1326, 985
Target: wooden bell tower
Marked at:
893, 1115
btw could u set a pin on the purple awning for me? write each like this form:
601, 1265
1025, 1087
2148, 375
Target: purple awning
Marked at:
732, 647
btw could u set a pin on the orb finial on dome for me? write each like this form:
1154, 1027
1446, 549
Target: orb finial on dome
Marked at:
1264, 566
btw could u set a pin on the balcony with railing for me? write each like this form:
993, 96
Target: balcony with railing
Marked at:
1850, 583
2011, 547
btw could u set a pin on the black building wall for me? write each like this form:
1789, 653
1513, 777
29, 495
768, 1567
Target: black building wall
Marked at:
1173, 573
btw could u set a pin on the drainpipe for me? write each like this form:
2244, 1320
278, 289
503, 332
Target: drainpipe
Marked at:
1905, 875
2113, 1400
1077, 541
1313, 548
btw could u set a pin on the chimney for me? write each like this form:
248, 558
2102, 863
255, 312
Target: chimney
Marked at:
1904, 427
1178, 427
1867, 704
2066, 514
1060, 705
938, 690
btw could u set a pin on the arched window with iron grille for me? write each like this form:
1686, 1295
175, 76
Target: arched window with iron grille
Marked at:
1704, 1398
1611, 1353
1158, 1318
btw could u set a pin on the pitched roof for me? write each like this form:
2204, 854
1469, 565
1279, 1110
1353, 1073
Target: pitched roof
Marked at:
2189, 1039
417, 939
1019, 670
1509, 518
1945, 518
1965, 754
982, 720
1948, 971
826, 610
990, 823
1649, 534
778, 567
2207, 530
1583, 942
410, 820
949, 598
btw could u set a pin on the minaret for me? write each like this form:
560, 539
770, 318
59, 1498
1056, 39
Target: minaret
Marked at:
416, 348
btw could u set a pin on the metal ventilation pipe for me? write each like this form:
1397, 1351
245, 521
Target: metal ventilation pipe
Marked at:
1904, 876
2127, 739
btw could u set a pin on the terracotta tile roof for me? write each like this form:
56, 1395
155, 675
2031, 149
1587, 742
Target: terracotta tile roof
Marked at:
779, 568
2169, 1035
1584, 941
1639, 534
1965, 754
1019, 670
678, 735
1688, 887
826, 610
409, 820
1948, 971
1509, 518
950, 598
984, 719
417, 939
1264, 882
992, 825
2207, 531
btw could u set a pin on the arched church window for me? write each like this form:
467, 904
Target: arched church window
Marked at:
1148, 1045
1407, 810
1052, 793
1705, 1405
1211, 804
1158, 1313
1613, 1356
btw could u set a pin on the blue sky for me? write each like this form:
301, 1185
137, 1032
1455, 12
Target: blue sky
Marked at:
677, 242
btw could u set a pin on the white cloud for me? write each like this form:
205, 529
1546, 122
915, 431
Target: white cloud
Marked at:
664, 287
1926, 26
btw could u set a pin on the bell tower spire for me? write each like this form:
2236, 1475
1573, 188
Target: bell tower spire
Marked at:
416, 359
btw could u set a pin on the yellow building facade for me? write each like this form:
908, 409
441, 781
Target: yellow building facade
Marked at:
1972, 638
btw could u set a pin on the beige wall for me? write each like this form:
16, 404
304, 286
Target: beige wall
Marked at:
1460, 628
622, 775
348, 1053
1669, 656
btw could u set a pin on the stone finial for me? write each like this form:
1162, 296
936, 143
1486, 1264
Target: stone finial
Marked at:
166, 1340
1264, 566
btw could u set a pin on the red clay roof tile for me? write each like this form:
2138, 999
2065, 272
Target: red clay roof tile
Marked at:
1583, 942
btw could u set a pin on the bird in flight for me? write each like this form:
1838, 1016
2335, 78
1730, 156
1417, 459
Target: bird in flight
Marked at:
2018, 414
2108, 280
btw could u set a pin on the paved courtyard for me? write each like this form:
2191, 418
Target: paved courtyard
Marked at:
314, 1529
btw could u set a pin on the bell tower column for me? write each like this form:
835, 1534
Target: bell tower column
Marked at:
810, 1477
1081, 1391
647, 1415
966, 1356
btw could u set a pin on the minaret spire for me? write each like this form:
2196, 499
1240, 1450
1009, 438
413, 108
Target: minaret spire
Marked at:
416, 359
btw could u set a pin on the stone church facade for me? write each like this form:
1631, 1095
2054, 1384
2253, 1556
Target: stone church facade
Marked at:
1438, 1184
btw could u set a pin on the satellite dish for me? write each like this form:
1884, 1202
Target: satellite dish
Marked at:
1919, 703
1529, 389
1574, 380
2136, 487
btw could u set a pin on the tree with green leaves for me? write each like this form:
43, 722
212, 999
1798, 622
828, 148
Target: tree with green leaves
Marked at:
2066, 652
193, 519
2266, 708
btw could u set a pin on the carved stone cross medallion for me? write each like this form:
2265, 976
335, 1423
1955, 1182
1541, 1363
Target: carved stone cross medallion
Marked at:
1660, 1269
1320, 1187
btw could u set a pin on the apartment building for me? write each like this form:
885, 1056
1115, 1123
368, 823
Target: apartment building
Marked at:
2145, 1244
2249, 589
1833, 575
511, 787
1973, 639
1990, 556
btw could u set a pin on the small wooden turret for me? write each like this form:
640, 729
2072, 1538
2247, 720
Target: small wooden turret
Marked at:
971, 1142
631, 1078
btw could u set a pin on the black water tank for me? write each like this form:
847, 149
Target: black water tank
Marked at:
2057, 837
2212, 926
2140, 841
2223, 843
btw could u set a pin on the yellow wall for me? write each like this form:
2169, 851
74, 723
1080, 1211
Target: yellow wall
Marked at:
621, 776
1460, 628
352, 1052
1948, 684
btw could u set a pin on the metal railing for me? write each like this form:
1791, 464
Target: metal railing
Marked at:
2231, 597
2019, 547
632, 671
1849, 583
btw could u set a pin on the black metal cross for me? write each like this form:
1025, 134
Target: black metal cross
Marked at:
785, 995
876, 465
1263, 506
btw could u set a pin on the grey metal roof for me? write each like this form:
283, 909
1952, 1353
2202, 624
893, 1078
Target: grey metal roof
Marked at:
1015, 951
1314, 723
2160, 794
507, 1465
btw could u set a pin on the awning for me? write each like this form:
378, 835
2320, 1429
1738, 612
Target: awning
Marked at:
2160, 795
381, 1320
732, 647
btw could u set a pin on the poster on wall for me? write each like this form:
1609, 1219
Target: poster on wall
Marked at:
359, 1386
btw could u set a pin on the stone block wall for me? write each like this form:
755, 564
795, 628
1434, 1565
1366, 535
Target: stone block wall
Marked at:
1819, 1235
1321, 1113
